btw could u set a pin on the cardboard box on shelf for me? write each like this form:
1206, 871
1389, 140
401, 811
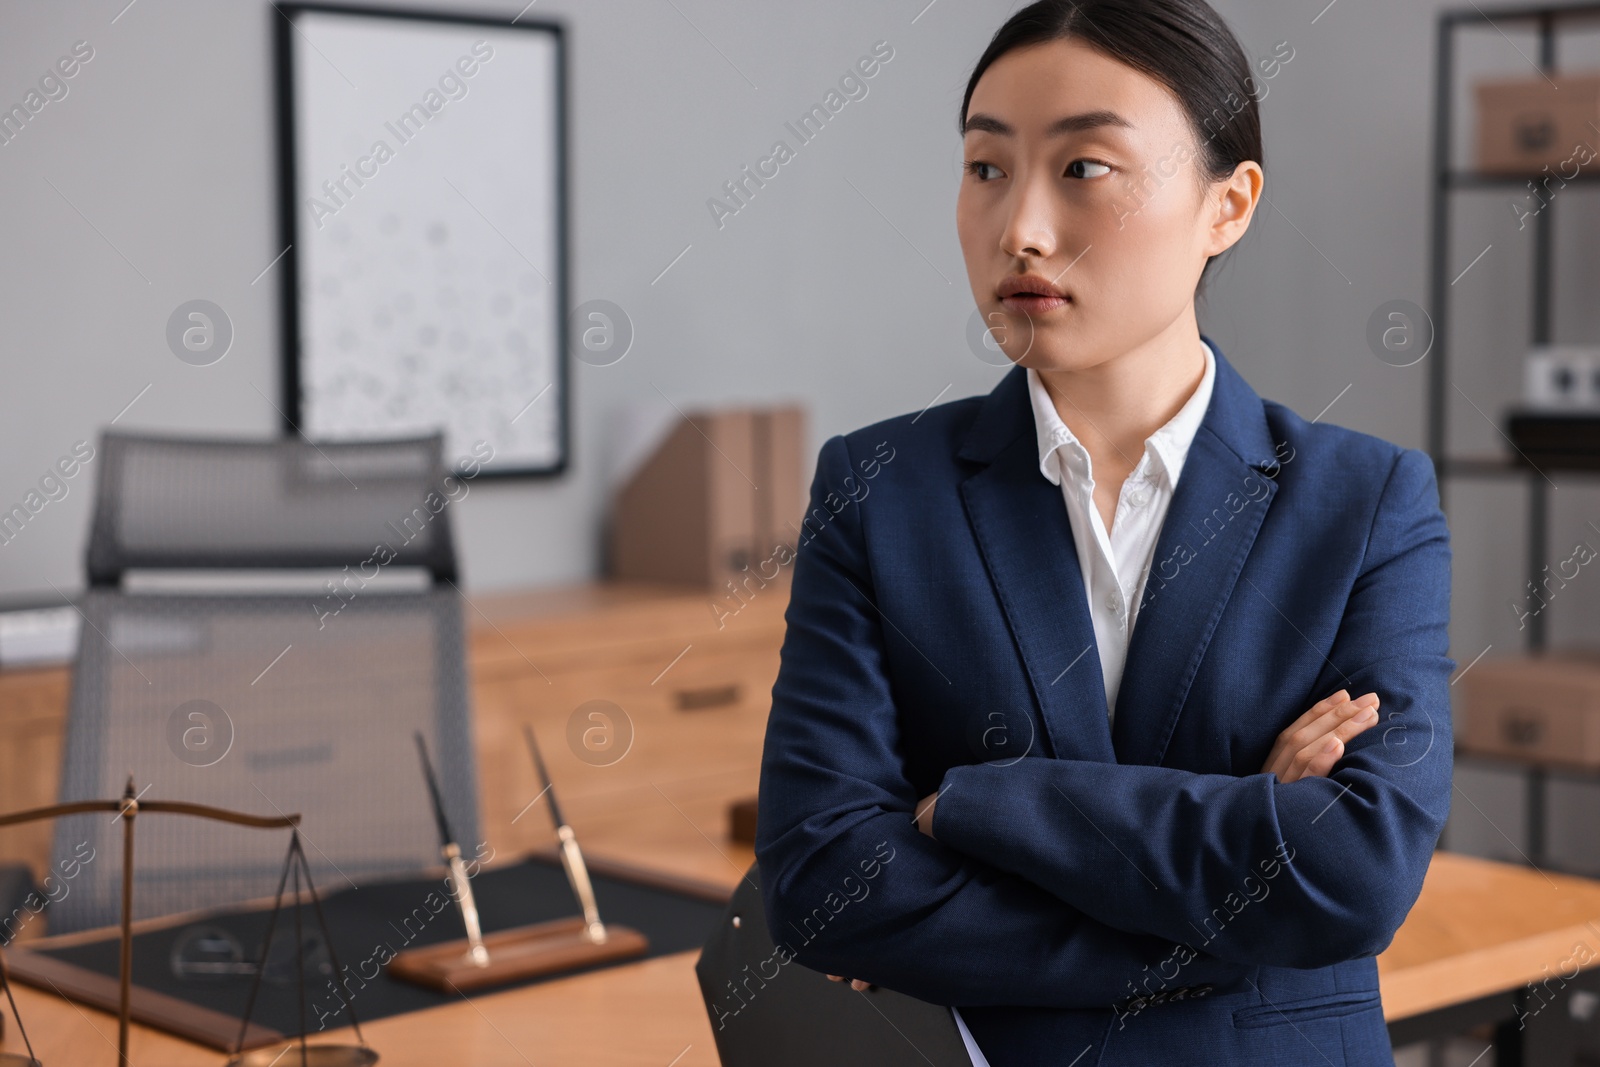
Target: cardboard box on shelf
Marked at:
1542, 709
1527, 124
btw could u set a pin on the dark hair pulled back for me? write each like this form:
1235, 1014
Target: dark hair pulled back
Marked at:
1183, 44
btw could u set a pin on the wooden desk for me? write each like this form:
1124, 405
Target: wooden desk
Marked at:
1497, 945
1480, 929
696, 694
641, 1015
1462, 945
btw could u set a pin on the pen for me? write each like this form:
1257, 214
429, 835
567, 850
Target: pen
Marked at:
571, 858
458, 871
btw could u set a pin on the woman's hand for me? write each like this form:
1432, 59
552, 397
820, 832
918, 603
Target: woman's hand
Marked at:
855, 983
1315, 741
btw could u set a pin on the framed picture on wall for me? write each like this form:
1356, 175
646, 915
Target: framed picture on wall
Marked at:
423, 216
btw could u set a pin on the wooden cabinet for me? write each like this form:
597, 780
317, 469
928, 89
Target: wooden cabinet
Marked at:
649, 702
33, 713
650, 716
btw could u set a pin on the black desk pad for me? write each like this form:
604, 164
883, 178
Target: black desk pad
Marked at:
369, 922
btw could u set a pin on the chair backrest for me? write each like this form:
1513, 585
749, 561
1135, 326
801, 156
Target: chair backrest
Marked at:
263, 702
774, 1022
167, 502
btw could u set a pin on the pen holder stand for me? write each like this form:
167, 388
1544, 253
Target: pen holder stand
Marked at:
516, 954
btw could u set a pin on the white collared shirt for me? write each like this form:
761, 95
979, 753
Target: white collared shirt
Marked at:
1114, 565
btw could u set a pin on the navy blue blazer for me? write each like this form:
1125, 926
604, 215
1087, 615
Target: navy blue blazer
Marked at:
1140, 891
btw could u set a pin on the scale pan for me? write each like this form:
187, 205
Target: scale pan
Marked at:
316, 1056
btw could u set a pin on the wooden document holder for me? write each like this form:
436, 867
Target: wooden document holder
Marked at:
525, 952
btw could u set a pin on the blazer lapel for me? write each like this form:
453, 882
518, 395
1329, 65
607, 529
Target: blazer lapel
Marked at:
1221, 500
1020, 523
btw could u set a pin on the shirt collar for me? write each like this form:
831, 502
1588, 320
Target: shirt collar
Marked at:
1169, 445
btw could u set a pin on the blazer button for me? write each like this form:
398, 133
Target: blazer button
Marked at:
1180, 993
1201, 990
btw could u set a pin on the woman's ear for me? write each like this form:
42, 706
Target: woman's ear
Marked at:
1234, 201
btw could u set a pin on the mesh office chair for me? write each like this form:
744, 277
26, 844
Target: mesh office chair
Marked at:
265, 701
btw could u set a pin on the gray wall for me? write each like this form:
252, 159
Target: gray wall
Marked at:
840, 285
152, 183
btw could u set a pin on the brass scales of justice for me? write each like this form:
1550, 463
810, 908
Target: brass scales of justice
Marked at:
531, 951
453, 966
127, 808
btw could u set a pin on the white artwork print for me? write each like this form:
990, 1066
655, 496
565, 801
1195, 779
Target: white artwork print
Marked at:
426, 200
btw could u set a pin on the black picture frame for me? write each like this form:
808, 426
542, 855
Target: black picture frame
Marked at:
290, 222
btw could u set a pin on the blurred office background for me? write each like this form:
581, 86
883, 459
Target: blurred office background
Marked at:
840, 286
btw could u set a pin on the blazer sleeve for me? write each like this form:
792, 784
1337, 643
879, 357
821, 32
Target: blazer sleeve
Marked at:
1161, 851
848, 882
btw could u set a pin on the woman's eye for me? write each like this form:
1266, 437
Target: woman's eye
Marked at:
1087, 168
982, 171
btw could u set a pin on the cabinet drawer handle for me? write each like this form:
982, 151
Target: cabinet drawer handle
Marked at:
715, 696
1522, 729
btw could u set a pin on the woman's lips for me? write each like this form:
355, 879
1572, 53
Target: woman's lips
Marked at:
1032, 304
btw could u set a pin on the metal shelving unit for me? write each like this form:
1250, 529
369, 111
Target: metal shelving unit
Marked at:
1548, 22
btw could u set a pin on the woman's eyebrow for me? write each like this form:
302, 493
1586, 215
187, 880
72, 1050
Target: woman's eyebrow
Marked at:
1089, 120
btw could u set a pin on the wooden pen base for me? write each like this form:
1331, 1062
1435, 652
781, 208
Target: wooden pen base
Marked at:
524, 952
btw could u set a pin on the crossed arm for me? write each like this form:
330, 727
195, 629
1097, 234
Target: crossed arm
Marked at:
1307, 748
1058, 882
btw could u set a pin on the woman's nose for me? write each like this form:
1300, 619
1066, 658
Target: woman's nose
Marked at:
1030, 224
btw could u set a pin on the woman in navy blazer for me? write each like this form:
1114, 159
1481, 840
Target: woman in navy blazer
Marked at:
945, 808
